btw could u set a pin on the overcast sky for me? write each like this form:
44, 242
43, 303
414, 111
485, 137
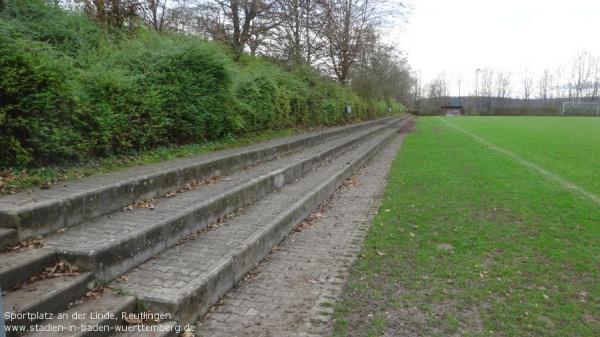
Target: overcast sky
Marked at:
458, 36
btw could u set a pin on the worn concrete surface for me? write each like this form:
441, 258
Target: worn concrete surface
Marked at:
193, 275
291, 293
40, 211
112, 244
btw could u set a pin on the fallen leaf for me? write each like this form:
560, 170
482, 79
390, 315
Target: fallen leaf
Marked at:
37, 242
188, 334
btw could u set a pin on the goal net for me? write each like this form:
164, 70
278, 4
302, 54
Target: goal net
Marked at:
581, 109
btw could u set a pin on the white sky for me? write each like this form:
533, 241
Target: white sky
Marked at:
458, 36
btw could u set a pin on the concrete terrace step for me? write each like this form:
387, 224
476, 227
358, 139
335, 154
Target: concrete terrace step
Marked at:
16, 267
42, 211
186, 279
107, 303
112, 244
7, 237
45, 296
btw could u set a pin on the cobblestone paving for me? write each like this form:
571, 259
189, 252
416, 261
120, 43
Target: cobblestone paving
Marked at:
184, 268
106, 231
292, 291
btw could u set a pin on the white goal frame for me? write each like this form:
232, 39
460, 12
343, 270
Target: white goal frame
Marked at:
593, 107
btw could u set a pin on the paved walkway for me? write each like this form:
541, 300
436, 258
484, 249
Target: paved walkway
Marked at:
292, 291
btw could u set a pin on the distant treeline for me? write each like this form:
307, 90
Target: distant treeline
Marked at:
495, 106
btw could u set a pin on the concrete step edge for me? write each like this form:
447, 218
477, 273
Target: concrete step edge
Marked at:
53, 214
8, 237
44, 296
20, 266
107, 303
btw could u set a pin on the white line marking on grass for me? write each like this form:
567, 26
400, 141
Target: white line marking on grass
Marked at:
563, 182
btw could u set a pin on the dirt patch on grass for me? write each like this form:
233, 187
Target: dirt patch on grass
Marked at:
408, 127
498, 214
417, 316
437, 130
435, 319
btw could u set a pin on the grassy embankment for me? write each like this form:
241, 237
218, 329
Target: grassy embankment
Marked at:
471, 242
74, 93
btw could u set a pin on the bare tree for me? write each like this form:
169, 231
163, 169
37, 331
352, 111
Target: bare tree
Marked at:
154, 13
595, 78
438, 87
239, 23
560, 85
347, 24
382, 71
503, 85
526, 84
485, 87
486, 78
114, 13
544, 85
183, 16
416, 90
298, 37
437, 93
580, 74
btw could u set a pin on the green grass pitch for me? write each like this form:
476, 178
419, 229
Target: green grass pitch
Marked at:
490, 226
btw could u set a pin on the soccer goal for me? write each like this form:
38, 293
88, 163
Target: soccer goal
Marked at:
581, 109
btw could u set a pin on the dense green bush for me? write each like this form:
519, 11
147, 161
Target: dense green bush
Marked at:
70, 90
156, 90
38, 115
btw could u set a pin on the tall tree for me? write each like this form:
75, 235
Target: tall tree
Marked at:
241, 21
544, 85
154, 13
347, 26
382, 71
503, 85
297, 39
581, 70
114, 13
526, 84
